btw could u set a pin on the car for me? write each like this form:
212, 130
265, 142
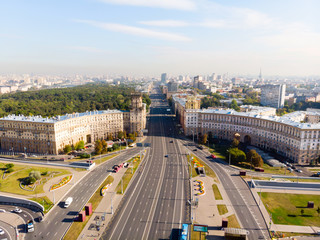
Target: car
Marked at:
293, 167
299, 170
195, 149
2, 210
17, 210
171, 141
33, 155
166, 156
1, 232
213, 156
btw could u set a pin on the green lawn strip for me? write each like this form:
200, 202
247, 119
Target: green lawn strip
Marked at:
314, 170
222, 209
11, 183
208, 170
216, 192
196, 235
98, 161
289, 234
45, 202
128, 175
267, 169
290, 209
233, 222
77, 227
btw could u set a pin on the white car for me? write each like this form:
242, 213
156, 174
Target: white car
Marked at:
17, 210
1, 232
2, 210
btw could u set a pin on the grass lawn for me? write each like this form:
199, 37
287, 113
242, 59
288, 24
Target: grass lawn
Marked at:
233, 222
216, 192
98, 161
128, 174
11, 183
45, 202
222, 209
77, 227
196, 235
267, 169
290, 209
194, 172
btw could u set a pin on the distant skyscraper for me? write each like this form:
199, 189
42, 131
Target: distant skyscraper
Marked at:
260, 77
172, 86
163, 77
196, 81
273, 95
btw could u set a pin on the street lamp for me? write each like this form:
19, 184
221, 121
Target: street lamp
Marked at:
229, 157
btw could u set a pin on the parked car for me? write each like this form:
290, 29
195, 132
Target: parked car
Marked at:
299, 170
1, 231
166, 156
2, 210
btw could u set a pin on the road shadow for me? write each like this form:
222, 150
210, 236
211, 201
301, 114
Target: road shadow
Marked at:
68, 220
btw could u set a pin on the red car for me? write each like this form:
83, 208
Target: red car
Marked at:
213, 156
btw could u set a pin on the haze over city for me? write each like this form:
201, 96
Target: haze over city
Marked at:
151, 37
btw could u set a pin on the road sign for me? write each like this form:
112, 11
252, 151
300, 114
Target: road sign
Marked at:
200, 228
139, 145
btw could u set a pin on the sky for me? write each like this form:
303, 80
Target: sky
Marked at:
149, 37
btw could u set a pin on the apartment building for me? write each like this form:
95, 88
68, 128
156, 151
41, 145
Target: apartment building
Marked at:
36, 134
289, 135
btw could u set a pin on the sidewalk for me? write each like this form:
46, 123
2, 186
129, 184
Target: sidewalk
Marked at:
207, 212
103, 210
280, 227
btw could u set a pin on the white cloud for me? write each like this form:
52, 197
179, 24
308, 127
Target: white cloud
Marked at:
168, 4
165, 23
136, 31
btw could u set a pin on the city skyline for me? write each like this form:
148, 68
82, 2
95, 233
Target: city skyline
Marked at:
151, 37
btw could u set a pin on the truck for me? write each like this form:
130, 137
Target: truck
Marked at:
30, 226
68, 202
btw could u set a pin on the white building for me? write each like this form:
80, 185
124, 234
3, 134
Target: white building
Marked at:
273, 95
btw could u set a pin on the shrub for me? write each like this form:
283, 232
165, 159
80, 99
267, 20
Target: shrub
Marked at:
30, 180
84, 155
9, 170
35, 174
9, 165
44, 173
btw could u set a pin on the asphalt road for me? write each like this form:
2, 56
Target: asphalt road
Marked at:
60, 219
154, 205
245, 207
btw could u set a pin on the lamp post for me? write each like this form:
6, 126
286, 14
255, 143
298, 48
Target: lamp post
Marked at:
229, 157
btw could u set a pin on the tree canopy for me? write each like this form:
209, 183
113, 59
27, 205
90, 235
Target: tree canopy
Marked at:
59, 101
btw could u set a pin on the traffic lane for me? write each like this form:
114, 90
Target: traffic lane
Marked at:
8, 231
132, 194
247, 219
26, 213
58, 222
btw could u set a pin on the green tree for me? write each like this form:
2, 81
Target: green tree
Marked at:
120, 135
235, 143
98, 147
67, 148
9, 165
237, 155
234, 105
109, 137
115, 147
204, 138
35, 174
79, 145
254, 158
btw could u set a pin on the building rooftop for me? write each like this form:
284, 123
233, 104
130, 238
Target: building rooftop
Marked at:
55, 119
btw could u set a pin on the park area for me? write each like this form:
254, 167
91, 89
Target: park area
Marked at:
25, 179
292, 209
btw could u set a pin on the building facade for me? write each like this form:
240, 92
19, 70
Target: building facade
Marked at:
36, 134
273, 95
289, 135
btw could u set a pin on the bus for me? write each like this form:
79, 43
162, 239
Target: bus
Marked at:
184, 232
